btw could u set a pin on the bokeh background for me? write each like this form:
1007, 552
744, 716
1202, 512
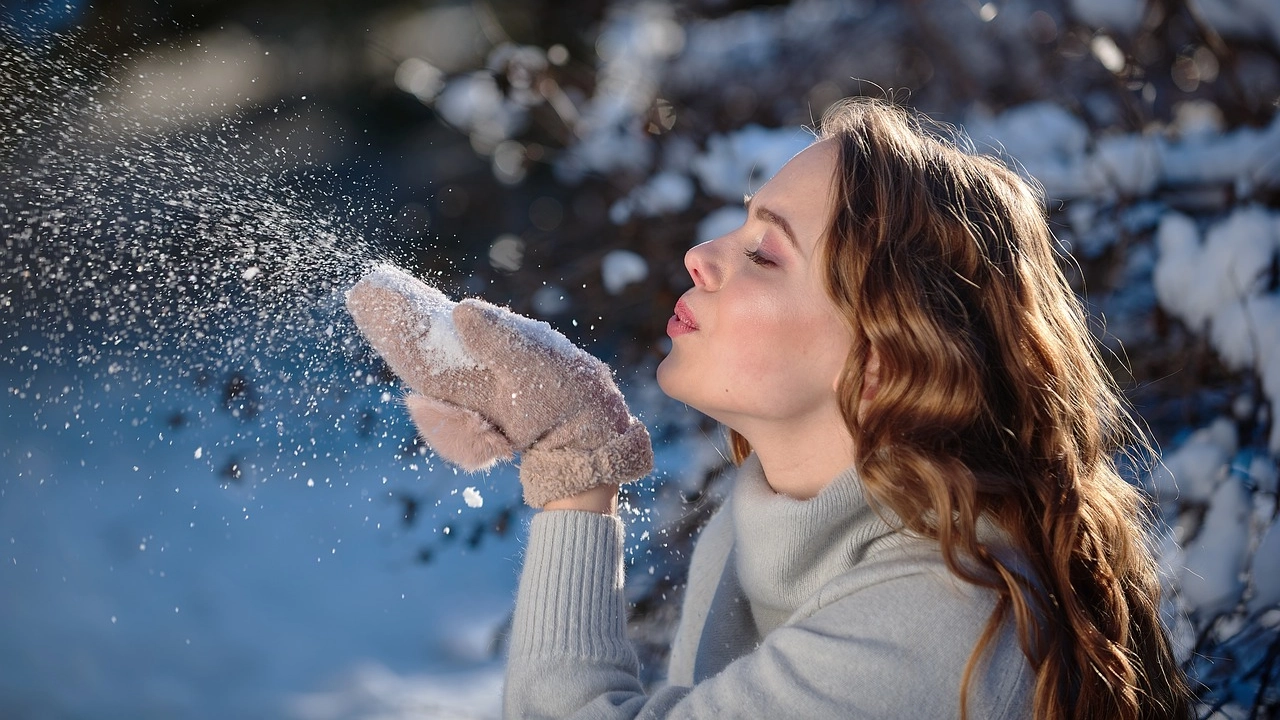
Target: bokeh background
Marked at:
211, 505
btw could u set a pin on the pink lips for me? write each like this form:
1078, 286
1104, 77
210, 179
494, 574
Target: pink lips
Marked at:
682, 321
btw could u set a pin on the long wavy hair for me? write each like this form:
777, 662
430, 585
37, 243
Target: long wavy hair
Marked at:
993, 402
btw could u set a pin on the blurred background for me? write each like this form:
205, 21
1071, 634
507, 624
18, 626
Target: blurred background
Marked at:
211, 505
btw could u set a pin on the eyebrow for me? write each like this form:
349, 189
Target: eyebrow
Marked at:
764, 214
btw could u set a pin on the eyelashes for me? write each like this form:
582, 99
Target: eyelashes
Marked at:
755, 257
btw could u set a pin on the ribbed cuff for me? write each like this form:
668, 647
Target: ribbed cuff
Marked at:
570, 602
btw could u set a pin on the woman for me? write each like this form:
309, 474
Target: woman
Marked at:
926, 520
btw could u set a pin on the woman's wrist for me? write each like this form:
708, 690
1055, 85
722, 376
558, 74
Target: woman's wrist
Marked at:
601, 499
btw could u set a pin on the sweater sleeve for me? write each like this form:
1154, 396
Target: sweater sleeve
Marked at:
895, 649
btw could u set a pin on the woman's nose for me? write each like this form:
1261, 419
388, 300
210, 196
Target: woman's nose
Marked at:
700, 261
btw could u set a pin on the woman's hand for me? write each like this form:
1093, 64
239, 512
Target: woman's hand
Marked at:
489, 383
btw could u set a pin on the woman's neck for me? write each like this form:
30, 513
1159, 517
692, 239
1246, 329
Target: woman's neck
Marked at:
800, 459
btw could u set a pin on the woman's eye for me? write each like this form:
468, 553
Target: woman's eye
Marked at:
757, 258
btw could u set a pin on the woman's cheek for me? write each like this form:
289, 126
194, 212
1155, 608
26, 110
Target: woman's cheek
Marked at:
763, 308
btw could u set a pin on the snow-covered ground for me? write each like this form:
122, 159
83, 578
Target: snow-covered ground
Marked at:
138, 581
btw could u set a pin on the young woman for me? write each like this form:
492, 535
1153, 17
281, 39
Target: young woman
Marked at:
926, 519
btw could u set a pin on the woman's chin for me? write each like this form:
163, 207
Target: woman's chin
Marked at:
666, 380
676, 384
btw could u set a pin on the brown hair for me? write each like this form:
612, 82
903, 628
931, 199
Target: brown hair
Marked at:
993, 402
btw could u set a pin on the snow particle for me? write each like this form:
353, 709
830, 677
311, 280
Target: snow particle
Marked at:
472, 497
550, 300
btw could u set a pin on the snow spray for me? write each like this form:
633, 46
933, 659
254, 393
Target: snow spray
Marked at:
153, 240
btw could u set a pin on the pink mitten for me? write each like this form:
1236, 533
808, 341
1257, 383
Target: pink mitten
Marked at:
489, 383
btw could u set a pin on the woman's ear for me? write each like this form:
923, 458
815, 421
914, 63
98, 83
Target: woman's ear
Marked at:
871, 376
870, 381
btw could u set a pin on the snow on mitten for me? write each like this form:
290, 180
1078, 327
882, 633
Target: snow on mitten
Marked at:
489, 383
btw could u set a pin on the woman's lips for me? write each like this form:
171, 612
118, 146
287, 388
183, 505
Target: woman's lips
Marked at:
682, 321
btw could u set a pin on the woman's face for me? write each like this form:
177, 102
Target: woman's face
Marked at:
756, 338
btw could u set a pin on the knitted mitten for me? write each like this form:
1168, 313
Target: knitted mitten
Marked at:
488, 383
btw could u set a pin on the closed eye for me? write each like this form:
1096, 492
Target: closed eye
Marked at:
757, 258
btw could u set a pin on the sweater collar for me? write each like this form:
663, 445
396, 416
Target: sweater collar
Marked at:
787, 549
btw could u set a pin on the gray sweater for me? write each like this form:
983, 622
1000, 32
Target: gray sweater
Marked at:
794, 609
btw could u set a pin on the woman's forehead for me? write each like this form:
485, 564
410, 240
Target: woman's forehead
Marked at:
802, 191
